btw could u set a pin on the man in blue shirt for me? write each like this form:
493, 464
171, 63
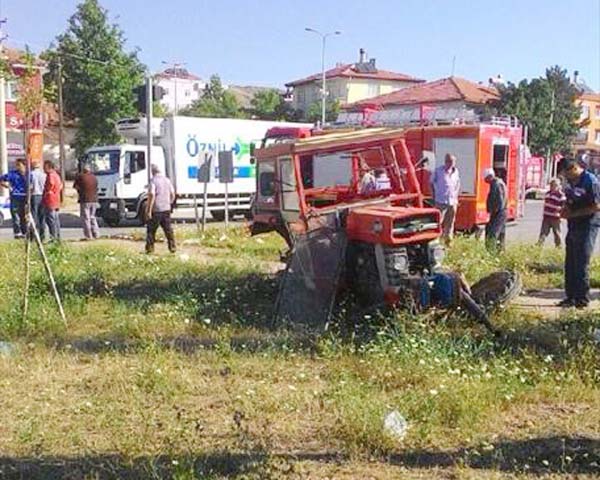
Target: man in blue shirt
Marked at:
16, 182
582, 211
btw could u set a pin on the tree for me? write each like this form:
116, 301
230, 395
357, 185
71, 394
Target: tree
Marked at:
98, 75
270, 105
215, 101
314, 112
158, 109
547, 106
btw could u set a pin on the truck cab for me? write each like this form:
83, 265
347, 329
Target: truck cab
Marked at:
122, 174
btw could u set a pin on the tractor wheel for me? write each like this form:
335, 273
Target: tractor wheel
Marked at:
497, 289
362, 274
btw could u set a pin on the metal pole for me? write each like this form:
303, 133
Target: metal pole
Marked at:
205, 193
226, 205
196, 215
3, 143
323, 86
61, 126
149, 127
175, 83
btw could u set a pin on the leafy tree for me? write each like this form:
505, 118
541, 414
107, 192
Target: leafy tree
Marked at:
215, 101
332, 108
547, 106
270, 105
30, 95
159, 110
98, 75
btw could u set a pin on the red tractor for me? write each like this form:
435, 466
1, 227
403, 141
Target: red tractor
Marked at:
350, 208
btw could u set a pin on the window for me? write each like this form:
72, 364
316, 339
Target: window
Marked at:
103, 162
582, 135
300, 97
11, 91
597, 111
187, 93
289, 195
266, 182
373, 89
585, 111
598, 137
134, 162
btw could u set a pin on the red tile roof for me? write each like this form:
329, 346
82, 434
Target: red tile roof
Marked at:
16, 56
349, 71
439, 91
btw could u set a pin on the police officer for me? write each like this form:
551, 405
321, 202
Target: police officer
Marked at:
582, 211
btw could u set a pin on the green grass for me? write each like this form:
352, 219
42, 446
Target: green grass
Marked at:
169, 367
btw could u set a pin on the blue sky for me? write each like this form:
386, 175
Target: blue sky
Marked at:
263, 42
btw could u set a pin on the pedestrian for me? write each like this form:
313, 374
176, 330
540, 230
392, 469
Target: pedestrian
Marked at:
554, 202
445, 184
161, 196
424, 176
495, 229
51, 201
86, 185
15, 181
582, 211
382, 180
37, 181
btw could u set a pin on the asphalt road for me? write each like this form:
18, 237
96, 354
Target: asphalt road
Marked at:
526, 229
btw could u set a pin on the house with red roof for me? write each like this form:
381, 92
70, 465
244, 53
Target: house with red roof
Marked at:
181, 88
349, 83
443, 99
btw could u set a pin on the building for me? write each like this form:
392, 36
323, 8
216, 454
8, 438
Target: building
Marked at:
15, 122
181, 88
588, 137
348, 83
446, 99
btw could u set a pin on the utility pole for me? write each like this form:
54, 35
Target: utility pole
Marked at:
149, 126
3, 140
61, 126
174, 66
323, 79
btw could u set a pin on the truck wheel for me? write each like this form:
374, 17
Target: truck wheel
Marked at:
497, 289
362, 274
112, 218
141, 216
219, 215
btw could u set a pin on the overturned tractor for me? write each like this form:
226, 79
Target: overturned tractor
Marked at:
349, 206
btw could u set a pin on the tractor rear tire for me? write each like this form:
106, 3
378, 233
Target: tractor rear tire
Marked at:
497, 289
363, 275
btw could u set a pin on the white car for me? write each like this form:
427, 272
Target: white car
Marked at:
4, 209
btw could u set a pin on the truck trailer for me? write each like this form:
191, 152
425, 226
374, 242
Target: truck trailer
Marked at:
178, 148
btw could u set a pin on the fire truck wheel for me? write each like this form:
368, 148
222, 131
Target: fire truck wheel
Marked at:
497, 289
362, 274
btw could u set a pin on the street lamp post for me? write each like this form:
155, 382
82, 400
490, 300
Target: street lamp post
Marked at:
174, 67
323, 79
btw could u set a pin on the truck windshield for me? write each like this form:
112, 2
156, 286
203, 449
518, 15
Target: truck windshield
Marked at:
103, 162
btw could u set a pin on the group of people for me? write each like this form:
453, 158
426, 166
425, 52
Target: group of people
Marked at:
45, 187
578, 203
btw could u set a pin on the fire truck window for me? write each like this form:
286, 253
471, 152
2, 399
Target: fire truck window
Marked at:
266, 182
332, 170
464, 149
306, 171
289, 195
500, 160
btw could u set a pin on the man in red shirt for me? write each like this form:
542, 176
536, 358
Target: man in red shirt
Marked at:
51, 201
553, 205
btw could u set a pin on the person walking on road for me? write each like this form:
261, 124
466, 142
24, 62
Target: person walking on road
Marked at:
495, 229
582, 211
554, 202
86, 185
16, 182
445, 184
37, 182
161, 196
51, 201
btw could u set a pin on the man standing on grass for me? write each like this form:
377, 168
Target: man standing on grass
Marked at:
495, 229
86, 185
582, 211
51, 201
445, 184
161, 196
15, 180
38, 181
553, 205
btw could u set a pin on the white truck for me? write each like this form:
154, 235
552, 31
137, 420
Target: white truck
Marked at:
178, 146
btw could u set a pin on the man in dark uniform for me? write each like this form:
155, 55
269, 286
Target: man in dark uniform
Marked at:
582, 211
495, 229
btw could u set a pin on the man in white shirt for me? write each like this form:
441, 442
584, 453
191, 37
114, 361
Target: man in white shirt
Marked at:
37, 181
445, 183
161, 196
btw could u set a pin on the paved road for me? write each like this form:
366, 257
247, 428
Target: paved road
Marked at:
525, 229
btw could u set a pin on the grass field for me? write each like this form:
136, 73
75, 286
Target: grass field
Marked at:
170, 367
